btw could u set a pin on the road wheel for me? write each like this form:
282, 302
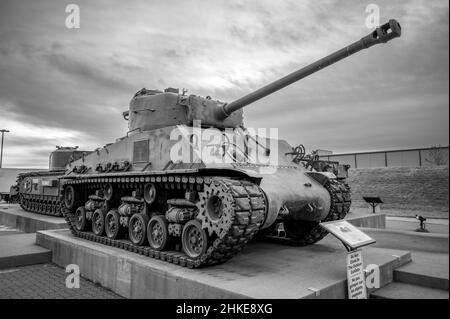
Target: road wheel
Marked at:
194, 239
158, 233
80, 218
98, 222
113, 228
137, 229
70, 197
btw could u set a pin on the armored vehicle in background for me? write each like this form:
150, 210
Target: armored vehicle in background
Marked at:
39, 191
190, 185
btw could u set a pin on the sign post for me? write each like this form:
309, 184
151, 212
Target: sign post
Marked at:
373, 202
353, 239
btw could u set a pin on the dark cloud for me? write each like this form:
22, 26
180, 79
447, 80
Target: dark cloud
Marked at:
85, 72
61, 86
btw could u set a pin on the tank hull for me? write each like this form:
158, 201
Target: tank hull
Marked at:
193, 210
244, 218
39, 192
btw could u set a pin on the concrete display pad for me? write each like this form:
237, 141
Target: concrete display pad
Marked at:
12, 215
261, 270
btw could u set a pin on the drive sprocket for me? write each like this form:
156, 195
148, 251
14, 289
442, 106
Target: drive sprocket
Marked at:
215, 208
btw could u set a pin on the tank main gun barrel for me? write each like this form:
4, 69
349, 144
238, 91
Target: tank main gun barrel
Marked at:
382, 34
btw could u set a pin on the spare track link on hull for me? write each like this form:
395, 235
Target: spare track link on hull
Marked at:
340, 206
249, 209
41, 204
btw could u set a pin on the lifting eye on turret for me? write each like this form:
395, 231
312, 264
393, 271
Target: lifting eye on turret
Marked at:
126, 115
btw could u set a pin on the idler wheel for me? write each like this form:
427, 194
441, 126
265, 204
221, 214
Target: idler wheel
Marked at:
194, 239
113, 228
98, 222
80, 218
70, 197
158, 233
137, 229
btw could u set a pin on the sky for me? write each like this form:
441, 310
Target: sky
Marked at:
68, 87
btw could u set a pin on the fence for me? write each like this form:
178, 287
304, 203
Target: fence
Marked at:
427, 157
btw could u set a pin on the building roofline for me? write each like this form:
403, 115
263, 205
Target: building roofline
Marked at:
386, 151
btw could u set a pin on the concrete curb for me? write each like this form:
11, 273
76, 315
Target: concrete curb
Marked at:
409, 240
368, 221
20, 250
27, 222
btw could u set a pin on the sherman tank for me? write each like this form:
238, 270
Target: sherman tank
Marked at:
39, 191
191, 185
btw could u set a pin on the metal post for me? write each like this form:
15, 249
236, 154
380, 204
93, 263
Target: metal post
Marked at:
1, 152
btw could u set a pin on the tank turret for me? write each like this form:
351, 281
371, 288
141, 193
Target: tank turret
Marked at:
152, 109
59, 158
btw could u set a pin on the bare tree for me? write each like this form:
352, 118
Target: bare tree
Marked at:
437, 156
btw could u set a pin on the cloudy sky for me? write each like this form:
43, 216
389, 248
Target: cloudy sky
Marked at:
61, 86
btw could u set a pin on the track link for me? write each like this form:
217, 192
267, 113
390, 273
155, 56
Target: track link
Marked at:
249, 208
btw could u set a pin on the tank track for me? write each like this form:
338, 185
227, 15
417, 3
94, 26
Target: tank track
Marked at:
41, 204
249, 213
340, 206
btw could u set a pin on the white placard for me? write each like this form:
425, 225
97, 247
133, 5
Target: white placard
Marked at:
46, 182
355, 275
348, 234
